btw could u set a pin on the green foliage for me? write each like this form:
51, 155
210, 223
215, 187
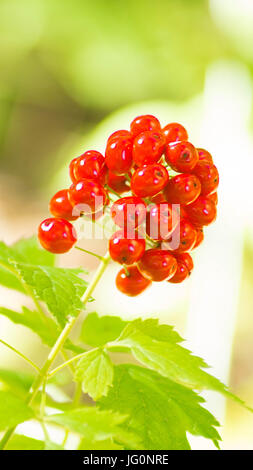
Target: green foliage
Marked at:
97, 331
12, 410
149, 406
156, 346
60, 289
159, 410
97, 425
95, 371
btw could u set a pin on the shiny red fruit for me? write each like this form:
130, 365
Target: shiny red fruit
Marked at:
157, 265
132, 282
90, 165
119, 154
120, 133
161, 220
71, 169
159, 198
117, 183
148, 148
204, 155
202, 211
175, 132
184, 268
208, 175
182, 189
181, 156
124, 250
199, 238
57, 235
144, 123
188, 236
128, 212
87, 196
60, 206
213, 197
149, 180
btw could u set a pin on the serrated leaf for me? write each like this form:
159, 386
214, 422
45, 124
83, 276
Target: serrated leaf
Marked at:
95, 371
98, 330
97, 425
46, 328
12, 410
26, 251
107, 444
157, 347
20, 442
61, 289
159, 410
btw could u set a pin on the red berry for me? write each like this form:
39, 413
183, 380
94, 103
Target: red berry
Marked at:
120, 133
188, 236
204, 155
144, 123
60, 206
131, 283
202, 211
118, 154
71, 169
57, 235
148, 148
117, 183
199, 238
208, 175
159, 198
213, 197
161, 221
90, 165
88, 195
182, 189
184, 268
175, 132
149, 180
157, 265
124, 250
128, 212
181, 156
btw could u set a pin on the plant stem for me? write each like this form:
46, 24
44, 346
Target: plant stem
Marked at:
59, 344
21, 355
89, 252
67, 363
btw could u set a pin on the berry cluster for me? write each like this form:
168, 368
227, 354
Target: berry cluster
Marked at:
159, 168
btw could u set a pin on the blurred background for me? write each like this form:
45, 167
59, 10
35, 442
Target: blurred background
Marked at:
74, 71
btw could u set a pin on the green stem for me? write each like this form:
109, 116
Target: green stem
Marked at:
59, 344
21, 355
89, 252
67, 363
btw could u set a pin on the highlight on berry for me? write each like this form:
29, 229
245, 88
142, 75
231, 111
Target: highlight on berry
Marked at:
160, 192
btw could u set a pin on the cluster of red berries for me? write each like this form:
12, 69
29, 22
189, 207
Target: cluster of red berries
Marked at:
159, 167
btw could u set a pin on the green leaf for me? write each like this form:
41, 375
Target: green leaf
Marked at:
19, 382
26, 251
95, 371
157, 347
49, 445
107, 444
12, 411
46, 328
97, 331
20, 442
60, 289
97, 425
159, 410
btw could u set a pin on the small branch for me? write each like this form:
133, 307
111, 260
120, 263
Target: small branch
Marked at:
20, 354
89, 252
67, 363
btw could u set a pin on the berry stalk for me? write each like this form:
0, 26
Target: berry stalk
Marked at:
59, 344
